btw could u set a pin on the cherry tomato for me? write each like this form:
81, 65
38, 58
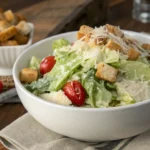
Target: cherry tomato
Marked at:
47, 64
75, 92
1, 86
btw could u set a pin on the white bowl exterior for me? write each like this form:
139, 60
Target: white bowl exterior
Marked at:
85, 124
9, 54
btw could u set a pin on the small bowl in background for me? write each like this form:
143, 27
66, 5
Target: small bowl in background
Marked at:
9, 54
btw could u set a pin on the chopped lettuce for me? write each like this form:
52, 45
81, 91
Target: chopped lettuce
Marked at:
108, 56
115, 64
59, 43
38, 87
135, 70
34, 63
97, 53
63, 68
143, 60
99, 96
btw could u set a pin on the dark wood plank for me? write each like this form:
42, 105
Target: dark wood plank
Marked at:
121, 15
16, 5
46, 15
10, 112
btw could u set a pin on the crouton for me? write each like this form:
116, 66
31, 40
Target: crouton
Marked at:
7, 33
80, 35
27, 75
114, 30
113, 45
20, 17
10, 17
106, 72
146, 46
4, 24
21, 39
23, 28
9, 43
133, 54
85, 29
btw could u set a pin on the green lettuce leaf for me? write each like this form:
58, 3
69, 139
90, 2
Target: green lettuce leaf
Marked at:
34, 63
135, 70
38, 87
59, 43
143, 60
108, 56
99, 96
63, 68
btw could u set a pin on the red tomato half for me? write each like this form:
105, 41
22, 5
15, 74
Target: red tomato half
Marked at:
47, 64
75, 92
1, 86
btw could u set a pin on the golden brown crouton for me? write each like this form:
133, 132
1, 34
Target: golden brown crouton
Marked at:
7, 33
4, 24
9, 43
23, 28
106, 72
113, 45
21, 39
114, 30
85, 29
27, 75
133, 54
146, 46
10, 17
80, 35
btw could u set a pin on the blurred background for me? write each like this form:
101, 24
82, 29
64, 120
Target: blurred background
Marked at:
55, 16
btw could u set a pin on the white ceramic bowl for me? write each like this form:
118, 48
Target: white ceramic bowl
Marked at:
87, 124
9, 54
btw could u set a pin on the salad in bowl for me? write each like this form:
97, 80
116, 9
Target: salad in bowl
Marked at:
102, 68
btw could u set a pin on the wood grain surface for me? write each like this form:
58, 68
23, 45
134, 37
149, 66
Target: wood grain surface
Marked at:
120, 14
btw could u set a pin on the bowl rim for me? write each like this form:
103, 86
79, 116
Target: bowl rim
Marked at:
72, 108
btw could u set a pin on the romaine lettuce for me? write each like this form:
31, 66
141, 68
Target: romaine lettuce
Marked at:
34, 63
59, 43
99, 96
135, 70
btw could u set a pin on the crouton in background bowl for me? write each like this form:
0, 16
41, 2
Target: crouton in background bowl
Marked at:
10, 50
15, 36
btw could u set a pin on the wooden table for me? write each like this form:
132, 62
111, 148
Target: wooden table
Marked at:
117, 15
